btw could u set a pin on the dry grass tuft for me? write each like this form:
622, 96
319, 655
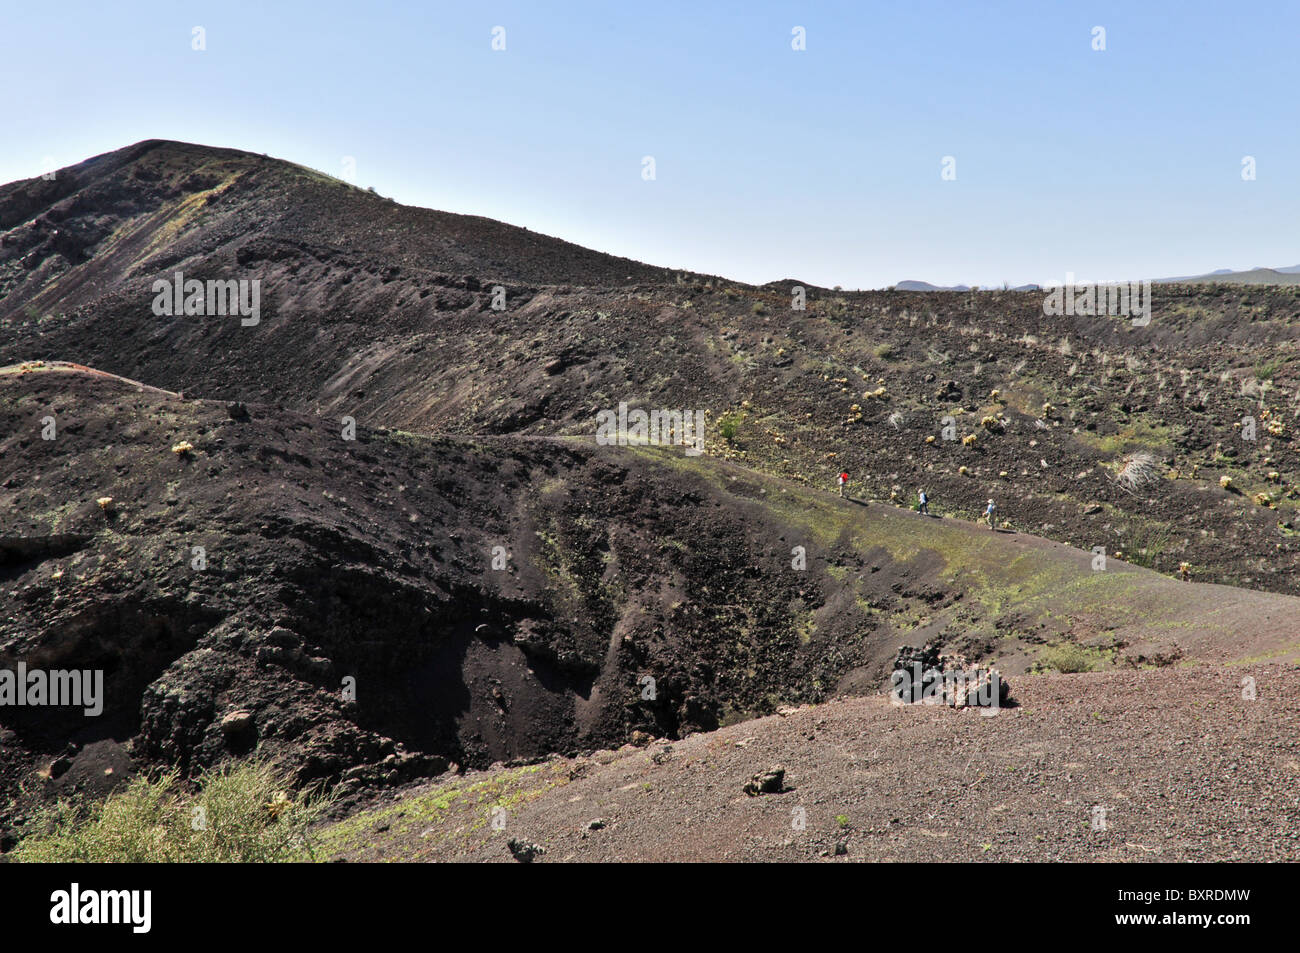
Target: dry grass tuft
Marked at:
1138, 470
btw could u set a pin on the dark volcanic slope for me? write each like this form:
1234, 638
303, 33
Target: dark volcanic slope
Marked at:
158, 204
374, 558
367, 564
384, 313
325, 559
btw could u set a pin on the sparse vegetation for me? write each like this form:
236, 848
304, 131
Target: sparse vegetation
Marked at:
1137, 470
1069, 658
728, 425
1267, 370
1146, 545
240, 814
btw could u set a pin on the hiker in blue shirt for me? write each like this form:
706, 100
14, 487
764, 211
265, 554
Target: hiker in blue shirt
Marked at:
988, 513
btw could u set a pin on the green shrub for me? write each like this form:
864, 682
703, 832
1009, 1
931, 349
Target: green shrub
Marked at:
1068, 658
241, 814
1145, 546
1268, 370
728, 424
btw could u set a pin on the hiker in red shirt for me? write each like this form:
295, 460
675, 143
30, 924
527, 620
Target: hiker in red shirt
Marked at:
844, 485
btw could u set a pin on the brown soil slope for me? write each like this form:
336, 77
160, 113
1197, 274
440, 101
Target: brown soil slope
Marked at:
1133, 767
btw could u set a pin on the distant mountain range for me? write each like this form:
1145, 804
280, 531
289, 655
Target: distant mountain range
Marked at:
1252, 276
926, 286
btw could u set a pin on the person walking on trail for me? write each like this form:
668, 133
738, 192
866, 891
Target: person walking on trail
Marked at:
844, 485
988, 513
922, 502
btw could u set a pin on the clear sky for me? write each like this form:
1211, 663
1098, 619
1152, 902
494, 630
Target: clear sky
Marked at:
822, 164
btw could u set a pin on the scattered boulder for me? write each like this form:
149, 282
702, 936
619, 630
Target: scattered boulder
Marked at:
237, 724
523, 851
950, 391
282, 637
923, 676
771, 781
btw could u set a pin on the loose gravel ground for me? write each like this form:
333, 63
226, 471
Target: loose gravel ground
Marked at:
1157, 765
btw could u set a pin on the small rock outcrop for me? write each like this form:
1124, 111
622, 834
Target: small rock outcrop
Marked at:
771, 781
924, 676
523, 851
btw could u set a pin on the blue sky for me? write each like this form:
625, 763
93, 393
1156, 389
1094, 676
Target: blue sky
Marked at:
822, 164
